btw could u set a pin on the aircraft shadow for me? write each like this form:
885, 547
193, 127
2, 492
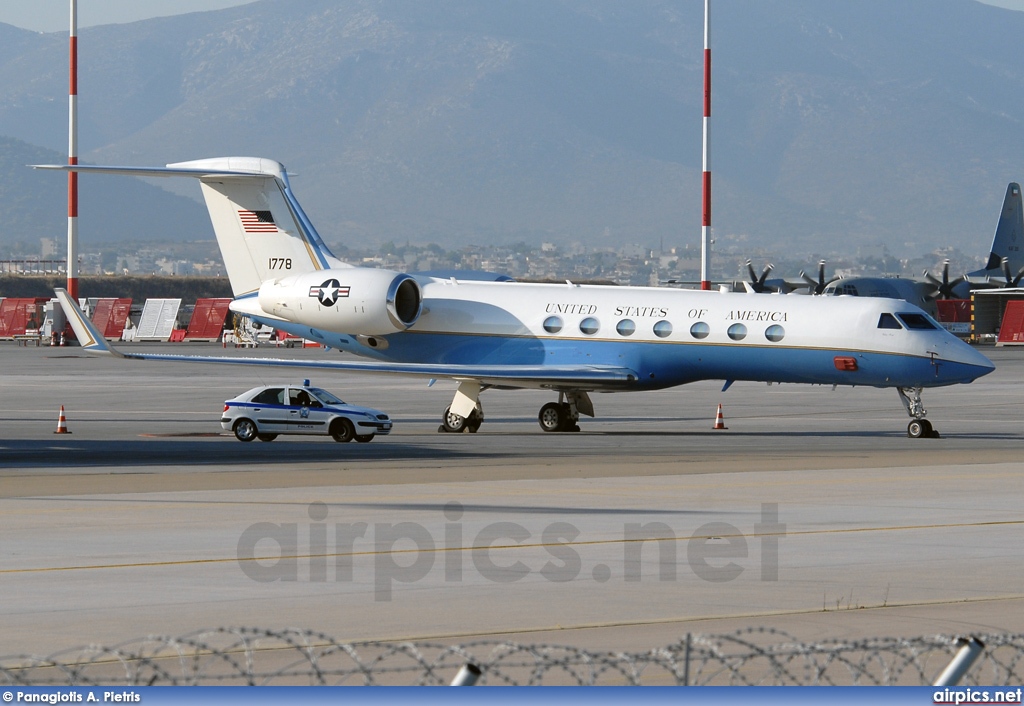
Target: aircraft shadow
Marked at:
70, 453
439, 508
845, 434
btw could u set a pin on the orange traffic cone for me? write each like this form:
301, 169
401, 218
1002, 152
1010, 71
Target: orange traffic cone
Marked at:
720, 420
62, 423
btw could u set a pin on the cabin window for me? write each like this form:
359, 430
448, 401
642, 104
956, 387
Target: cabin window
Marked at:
663, 329
589, 326
916, 322
775, 333
700, 330
888, 321
626, 327
553, 324
737, 332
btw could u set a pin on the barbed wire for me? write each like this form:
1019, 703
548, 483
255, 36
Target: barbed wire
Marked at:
759, 656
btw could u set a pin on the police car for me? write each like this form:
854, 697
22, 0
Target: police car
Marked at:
265, 412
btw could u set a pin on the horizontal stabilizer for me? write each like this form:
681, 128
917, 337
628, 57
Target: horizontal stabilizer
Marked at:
261, 229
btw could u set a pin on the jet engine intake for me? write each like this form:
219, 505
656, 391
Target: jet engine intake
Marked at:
357, 300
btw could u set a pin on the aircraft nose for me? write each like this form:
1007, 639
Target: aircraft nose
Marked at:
970, 364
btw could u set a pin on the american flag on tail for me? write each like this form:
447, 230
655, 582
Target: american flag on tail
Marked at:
257, 221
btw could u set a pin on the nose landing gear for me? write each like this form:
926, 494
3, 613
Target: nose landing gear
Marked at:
919, 427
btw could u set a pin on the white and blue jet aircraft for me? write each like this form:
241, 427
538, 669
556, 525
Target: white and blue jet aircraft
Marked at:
486, 332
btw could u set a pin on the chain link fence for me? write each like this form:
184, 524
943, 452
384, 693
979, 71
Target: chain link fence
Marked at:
251, 656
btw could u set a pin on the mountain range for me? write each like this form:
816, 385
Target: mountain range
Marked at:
835, 126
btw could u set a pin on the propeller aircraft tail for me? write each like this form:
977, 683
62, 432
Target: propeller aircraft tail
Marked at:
1008, 241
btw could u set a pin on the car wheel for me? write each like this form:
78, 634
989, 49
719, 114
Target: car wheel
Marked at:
245, 430
342, 431
364, 438
266, 437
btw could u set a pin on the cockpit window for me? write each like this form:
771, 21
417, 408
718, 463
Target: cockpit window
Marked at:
888, 321
916, 322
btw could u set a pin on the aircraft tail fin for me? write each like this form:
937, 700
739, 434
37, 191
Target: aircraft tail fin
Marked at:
1008, 241
261, 229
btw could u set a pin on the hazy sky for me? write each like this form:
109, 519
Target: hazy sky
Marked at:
53, 15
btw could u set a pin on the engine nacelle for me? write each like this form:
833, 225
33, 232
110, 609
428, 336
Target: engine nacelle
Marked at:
354, 300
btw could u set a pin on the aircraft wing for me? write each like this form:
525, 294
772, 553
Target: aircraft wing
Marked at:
591, 377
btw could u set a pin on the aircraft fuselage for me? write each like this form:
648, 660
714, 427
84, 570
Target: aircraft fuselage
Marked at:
667, 336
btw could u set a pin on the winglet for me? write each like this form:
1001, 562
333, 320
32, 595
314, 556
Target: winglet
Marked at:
88, 336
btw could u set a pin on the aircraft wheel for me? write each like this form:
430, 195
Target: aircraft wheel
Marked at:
453, 423
552, 417
919, 428
266, 437
342, 431
245, 430
364, 438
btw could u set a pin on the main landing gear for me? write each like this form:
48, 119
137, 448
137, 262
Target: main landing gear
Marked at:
564, 415
919, 427
466, 414
452, 423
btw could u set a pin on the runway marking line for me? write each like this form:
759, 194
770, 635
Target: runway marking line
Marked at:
536, 545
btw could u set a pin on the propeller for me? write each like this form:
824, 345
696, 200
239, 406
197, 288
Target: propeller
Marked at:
1011, 281
818, 287
944, 288
757, 283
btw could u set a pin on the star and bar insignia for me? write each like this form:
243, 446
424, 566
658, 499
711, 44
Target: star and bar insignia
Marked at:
329, 292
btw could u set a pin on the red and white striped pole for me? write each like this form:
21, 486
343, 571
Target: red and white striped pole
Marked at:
73, 157
705, 230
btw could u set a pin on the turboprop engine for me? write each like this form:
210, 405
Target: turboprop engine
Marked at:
357, 300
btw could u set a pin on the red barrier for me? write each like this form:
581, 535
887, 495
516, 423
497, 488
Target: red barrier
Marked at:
110, 316
954, 311
207, 321
1012, 329
17, 315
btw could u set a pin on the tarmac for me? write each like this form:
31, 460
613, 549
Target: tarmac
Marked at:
813, 513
